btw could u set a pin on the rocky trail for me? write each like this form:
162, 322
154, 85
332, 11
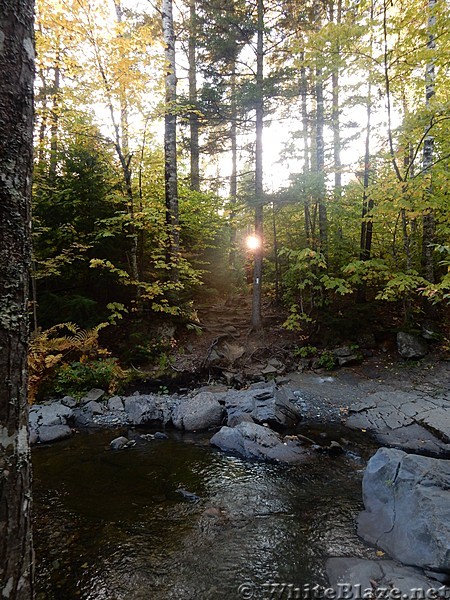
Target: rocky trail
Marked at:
226, 347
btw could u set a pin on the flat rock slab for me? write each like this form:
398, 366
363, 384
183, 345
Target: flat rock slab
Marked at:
438, 420
355, 572
254, 441
405, 420
414, 439
407, 508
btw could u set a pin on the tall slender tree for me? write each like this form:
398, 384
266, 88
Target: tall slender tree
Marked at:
428, 219
170, 137
16, 135
256, 320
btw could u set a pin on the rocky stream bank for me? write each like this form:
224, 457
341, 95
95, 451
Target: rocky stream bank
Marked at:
406, 483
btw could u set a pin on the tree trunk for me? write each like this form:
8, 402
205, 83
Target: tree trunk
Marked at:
193, 116
367, 203
16, 138
54, 117
428, 220
306, 162
233, 176
256, 320
170, 139
320, 163
336, 110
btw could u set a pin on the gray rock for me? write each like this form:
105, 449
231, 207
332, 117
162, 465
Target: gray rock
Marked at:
438, 421
343, 351
115, 403
159, 435
95, 408
265, 405
142, 409
92, 395
203, 411
235, 419
189, 496
411, 346
257, 442
407, 508
83, 418
49, 414
119, 443
278, 411
386, 574
351, 359
69, 401
53, 433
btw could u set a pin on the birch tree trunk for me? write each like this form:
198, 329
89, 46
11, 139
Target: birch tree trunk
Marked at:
170, 139
16, 137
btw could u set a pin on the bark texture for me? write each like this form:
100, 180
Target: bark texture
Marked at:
16, 135
170, 138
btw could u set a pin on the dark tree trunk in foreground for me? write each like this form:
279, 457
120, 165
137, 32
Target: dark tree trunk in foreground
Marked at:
170, 138
16, 135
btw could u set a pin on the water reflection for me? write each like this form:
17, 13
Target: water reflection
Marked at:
112, 525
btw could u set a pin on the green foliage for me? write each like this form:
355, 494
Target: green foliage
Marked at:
297, 321
305, 351
78, 377
327, 361
401, 285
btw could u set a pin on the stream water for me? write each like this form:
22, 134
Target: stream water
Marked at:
113, 525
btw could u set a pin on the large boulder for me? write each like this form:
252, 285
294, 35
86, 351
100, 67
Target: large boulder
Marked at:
141, 410
254, 441
407, 508
203, 411
268, 404
411, 346
53, 433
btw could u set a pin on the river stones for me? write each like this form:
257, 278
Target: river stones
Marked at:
267, 404
49, 422
254, 441
201, 412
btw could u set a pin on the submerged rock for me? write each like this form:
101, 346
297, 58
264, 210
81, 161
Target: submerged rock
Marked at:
120, 443
407, 508
251, 440
370, 575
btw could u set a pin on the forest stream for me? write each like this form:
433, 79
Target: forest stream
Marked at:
123, 525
